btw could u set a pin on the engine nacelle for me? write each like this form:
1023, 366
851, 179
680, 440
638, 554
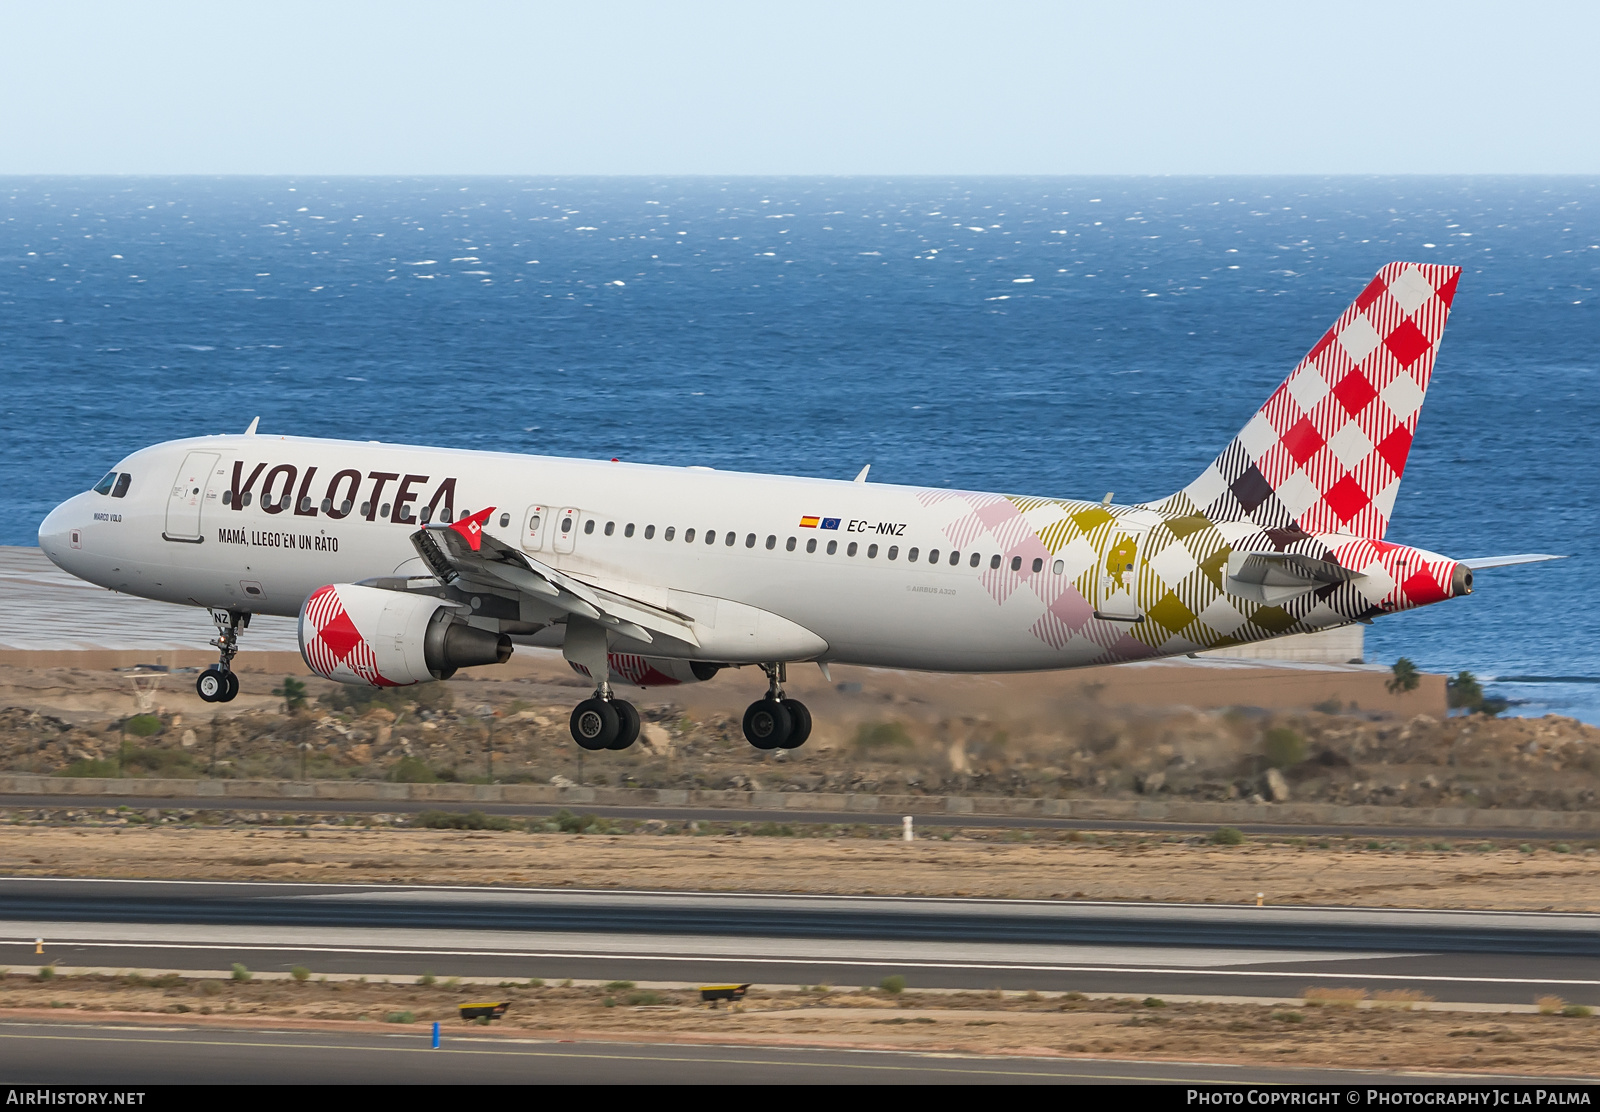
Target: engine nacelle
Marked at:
654, 671
368, 635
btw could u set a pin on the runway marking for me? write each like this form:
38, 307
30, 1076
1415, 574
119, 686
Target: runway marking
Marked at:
981, 900
986, 966
603, 1057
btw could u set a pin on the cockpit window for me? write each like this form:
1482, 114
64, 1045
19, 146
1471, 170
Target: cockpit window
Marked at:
122, 485
104, 485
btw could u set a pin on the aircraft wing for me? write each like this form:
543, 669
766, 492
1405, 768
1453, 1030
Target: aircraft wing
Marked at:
1271, 578
1506, 561
463, 551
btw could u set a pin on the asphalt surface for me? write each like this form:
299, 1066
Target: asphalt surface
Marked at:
125, 1056
514, 934
724, 814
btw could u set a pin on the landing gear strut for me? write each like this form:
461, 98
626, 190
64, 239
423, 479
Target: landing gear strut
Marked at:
218, 684
776, 722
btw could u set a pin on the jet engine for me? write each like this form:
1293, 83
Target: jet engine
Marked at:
654, 671
382, 638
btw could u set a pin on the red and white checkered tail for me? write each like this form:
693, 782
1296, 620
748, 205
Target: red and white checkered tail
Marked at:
1326, 452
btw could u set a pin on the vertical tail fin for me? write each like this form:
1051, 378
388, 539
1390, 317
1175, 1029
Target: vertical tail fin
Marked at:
1326, 452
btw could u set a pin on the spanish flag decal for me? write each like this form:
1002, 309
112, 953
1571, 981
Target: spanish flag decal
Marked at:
809, 522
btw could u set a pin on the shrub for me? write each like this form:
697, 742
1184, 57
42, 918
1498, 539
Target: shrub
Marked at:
1577, 1011
1154, 1002
240, 973
400, 1017
1227, 836
426, 979
300, 973
568, 823
1464, 692
1329, 706
894, 985
1401, 998
1284, 748
90, 767
1289, 1017
535, 982
47, 972
142, 725
643, 999
1335, 997
882, 735
424, 696
456, 820
209, 988
292, 692
773, 830
1550, 1005
413, 770
617, 986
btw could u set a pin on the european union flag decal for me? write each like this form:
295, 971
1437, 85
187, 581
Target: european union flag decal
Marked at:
830, 523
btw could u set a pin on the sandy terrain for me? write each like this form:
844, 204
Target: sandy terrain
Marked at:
1281, 1035
1116, 867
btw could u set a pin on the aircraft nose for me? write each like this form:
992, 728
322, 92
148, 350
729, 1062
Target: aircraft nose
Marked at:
61, 531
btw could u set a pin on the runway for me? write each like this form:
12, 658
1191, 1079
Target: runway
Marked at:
98, 1054
684, 937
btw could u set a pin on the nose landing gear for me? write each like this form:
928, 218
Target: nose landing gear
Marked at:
218, 684
776, 722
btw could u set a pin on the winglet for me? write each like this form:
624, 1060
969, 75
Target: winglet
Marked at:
471, 528
251, 431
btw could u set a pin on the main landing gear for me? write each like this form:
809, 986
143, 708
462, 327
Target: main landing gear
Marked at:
775, 722
218, 684
603, 722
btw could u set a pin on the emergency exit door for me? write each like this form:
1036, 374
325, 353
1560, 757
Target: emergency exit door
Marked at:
196, 480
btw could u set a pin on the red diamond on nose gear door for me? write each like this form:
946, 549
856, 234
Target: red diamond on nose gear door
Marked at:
340, 635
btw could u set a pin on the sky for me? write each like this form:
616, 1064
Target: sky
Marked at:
813, 87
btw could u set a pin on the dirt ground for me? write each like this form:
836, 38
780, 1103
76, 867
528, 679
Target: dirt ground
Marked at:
1309, 1033
1335, 871
876, 732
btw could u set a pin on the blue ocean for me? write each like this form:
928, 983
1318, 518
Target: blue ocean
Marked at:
1062, 336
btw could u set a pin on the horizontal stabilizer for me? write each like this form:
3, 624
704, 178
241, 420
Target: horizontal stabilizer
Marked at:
1271, 578
1506, 561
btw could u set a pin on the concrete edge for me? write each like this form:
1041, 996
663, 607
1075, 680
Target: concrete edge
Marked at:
85, 789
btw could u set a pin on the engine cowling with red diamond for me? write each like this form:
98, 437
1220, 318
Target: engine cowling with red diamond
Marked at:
383, 638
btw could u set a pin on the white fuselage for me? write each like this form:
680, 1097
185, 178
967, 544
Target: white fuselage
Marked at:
257, 523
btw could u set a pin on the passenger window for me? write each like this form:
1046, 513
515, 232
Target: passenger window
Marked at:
104, 485
422, 517
711, 536
1057, 568
627, 530
894, 551
227, 497
955, 558
872, 552
811, 545
671, 529
933, 555
327, 507
1038, 565
994, 561
383, 511
851, 551
790, 546
1016, 563
588, 526
366, 507
833, 546
772, 542
124, 479
566, 525
611, 527
650, 532
975, 559
344, 510
750, 541
732, 536
688, 536
505, 521
911, 555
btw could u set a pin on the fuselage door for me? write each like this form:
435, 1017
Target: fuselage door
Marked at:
566, 529
1120, 564
195, 479
533, 529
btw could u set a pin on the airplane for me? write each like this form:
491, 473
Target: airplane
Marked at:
403, 564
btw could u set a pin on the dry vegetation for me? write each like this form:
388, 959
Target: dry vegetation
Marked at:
1312, 1032
824, 859
865, 742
